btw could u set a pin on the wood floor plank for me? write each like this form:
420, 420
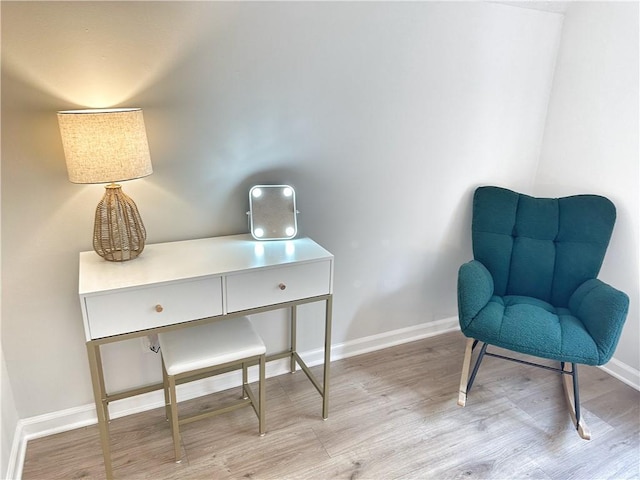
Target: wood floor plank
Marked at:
393, 415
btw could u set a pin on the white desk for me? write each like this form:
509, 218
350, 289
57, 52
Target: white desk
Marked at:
180, 284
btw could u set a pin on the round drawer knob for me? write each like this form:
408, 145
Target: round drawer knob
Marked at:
282, 286
159, 308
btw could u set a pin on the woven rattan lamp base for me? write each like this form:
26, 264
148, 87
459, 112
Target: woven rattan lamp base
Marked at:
118, 232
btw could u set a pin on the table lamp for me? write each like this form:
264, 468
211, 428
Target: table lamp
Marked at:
108, 146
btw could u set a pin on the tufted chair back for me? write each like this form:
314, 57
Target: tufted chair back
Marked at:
540, 247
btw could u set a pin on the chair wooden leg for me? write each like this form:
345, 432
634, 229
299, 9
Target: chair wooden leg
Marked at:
570, 389
464, 377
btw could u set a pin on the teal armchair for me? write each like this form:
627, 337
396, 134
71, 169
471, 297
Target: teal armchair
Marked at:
532, 285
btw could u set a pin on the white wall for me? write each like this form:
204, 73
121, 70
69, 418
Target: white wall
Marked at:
591, 138
384, 116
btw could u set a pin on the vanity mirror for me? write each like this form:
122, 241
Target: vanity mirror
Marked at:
272, 212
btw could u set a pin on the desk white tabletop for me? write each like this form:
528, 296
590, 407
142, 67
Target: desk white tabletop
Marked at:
187, 259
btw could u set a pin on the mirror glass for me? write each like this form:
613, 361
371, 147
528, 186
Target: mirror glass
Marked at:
273, 214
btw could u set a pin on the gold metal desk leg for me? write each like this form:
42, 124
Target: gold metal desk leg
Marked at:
327, 357
105, 403
294, 323
99, 396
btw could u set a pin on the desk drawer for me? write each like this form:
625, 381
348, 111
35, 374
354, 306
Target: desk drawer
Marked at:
131, 310
277, 285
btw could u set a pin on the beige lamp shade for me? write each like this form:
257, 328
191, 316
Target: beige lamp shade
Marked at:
105, 146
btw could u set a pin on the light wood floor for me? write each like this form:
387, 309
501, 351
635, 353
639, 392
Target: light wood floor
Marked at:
393, 414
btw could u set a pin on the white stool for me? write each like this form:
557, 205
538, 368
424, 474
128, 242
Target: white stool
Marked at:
198, 352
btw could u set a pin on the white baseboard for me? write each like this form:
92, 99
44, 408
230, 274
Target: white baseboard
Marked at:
77, 417
623, 372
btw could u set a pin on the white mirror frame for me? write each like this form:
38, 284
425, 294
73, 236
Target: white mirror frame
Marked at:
272, 212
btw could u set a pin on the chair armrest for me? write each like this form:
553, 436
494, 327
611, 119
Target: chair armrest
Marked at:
475, 289
602, 310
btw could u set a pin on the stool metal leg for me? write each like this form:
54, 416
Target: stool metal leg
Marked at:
175, 429
261, 399
167, 400
245, 380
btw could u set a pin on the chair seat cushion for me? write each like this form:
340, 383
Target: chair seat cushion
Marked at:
531, 326
208, 345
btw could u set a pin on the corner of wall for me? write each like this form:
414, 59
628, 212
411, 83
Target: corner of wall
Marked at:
10, 439
550, 90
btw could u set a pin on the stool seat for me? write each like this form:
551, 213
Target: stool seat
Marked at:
216, 343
